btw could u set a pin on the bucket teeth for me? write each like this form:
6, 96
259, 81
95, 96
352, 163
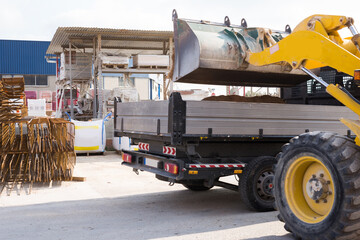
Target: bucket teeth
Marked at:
31, 149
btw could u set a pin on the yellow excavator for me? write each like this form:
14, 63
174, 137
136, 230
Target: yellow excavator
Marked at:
317, 176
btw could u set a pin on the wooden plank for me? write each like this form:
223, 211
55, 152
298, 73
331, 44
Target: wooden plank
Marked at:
78, 179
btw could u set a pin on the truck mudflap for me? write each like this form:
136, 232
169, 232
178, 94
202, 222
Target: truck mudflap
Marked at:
178, 170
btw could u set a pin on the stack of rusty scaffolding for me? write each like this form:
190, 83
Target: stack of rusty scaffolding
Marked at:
12, 99
32, 149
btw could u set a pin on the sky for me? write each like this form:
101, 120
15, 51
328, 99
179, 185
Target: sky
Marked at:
39, 19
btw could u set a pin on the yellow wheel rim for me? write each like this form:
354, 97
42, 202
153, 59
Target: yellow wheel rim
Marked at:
306, 178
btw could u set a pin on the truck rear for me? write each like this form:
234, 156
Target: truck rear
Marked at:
195, 143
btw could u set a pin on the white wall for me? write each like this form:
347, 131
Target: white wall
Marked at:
142, 86
111, 82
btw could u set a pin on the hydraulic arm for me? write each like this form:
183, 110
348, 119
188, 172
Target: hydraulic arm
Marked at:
315, 43
214, 53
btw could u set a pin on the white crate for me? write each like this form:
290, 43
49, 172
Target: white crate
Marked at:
36, 107
114, 59
90, 136
151, 60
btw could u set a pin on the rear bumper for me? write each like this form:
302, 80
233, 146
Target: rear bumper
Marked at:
187, 171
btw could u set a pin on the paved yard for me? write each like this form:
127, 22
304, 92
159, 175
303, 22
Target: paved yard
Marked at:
115, 203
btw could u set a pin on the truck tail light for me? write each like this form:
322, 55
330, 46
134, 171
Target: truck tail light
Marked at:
171, 168
357, 77
127, 157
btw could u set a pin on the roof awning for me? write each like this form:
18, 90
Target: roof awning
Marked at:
117, 41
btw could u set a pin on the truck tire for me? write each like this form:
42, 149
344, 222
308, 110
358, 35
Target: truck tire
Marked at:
317, 187
196, 185
256, 184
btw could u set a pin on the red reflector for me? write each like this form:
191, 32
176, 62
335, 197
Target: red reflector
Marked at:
126, 157
171, 168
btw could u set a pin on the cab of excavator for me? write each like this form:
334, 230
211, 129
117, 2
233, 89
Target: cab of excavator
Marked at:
312, 92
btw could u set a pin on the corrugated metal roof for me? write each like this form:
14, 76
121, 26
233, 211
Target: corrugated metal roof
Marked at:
25, 57
81, 37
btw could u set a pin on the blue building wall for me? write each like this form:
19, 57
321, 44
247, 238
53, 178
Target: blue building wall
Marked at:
25, 57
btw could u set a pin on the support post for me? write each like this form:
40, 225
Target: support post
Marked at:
100, 79
167, 81
94, 73
164, 87
71, 84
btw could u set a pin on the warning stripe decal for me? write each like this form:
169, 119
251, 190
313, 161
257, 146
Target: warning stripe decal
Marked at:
216, 165
144, 146
169, 150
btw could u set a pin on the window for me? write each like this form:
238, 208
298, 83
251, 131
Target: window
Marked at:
120, 81
29, 80
36, 80
41, 80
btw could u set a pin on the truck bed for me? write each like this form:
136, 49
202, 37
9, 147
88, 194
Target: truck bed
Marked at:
203, 118
207, 140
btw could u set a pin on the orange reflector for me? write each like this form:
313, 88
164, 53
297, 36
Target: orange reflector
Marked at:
193, 172
171, 168
238, 171
126, 157
357, 75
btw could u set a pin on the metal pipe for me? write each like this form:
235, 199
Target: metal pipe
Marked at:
310, 73
353, 30
56, 85
229, 186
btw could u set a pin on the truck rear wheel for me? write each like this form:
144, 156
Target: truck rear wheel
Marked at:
317, 186
196, 185
256, 184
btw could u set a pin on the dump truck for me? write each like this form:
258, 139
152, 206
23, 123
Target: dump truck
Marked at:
298, 158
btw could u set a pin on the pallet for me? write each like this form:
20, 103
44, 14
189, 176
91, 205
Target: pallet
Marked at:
90, 153
114, 66
78, 179
152, 67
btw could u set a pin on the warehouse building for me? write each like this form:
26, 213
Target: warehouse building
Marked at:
27, 58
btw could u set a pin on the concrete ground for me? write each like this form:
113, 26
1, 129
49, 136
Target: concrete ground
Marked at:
115, 203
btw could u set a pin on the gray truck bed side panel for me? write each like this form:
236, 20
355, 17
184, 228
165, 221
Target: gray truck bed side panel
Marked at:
235, 118
143, 116
274, 119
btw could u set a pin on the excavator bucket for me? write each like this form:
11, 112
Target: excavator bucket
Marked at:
214, 53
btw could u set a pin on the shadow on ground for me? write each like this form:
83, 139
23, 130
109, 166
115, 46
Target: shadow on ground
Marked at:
145, 216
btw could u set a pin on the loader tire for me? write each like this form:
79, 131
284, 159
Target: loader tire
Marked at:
196, 185
256, 184
317, 187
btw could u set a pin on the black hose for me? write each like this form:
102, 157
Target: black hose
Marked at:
349, 94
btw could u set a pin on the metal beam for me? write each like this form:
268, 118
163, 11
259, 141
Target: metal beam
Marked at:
123, 47
135, 70
122, 32
125, 38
